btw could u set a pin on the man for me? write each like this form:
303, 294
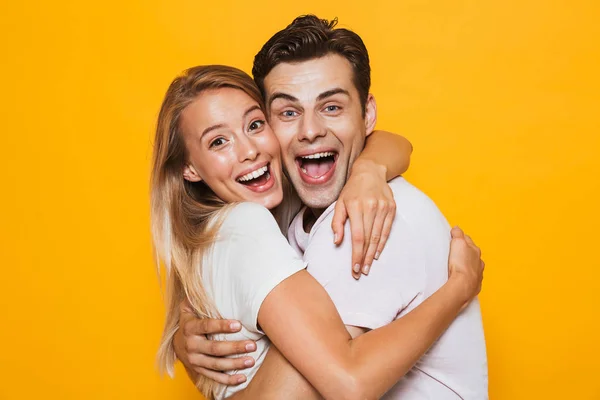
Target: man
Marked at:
316, 81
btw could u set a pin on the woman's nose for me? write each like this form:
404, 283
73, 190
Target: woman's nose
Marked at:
247, 149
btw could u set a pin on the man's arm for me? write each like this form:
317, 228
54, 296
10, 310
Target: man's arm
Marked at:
201, 356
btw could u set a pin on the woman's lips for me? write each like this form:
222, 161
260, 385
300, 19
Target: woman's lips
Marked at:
261, 183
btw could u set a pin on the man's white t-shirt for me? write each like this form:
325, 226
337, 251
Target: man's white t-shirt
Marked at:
248, 260
413, 265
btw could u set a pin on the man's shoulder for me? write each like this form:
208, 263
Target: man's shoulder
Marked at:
408, 195
411, 203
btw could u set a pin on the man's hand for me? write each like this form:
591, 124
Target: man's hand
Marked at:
206, 357
465, 263
369, 203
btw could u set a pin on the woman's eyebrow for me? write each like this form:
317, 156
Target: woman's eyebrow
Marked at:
250, 109
211, 128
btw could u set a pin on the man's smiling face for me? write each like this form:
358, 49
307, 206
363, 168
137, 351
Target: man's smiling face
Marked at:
315, 111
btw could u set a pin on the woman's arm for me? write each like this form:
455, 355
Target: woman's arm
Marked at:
301, 321
367, 199
387, 152
277, 379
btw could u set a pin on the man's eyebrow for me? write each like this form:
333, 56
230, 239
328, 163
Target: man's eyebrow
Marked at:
280, 95
219, 126
332, 92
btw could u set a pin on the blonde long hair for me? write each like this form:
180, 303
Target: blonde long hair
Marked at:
186, 216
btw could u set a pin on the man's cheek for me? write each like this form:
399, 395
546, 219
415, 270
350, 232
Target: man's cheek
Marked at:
284, 134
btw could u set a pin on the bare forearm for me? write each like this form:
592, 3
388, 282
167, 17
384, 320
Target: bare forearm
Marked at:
277, 379
390, 152
342, 368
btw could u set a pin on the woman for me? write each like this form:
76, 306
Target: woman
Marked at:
216, 171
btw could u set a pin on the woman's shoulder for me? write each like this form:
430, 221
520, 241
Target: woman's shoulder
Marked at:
249, 217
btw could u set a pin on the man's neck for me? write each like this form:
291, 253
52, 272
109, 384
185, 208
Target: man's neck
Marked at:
310, 217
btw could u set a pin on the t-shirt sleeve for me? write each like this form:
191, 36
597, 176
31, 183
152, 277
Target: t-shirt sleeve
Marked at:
375, 300
258, 259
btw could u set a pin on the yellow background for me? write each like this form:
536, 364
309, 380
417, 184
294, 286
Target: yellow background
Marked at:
500, 99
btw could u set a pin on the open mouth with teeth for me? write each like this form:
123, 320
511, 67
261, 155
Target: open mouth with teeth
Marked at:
258, 180
318, 167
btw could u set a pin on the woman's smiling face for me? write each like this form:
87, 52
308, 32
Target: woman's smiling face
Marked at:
231, 147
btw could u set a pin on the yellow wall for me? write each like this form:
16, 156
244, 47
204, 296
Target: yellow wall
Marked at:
499, 98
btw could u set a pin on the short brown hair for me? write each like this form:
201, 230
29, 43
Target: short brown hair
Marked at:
309, 37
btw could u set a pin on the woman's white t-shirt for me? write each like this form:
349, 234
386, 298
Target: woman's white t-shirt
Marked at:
250, 257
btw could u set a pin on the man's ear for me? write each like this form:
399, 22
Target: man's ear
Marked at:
370, 114
190, 174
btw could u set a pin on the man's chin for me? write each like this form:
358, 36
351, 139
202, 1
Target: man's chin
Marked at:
318, 198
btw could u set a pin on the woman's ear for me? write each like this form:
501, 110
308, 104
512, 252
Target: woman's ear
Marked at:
190, 174
370, 114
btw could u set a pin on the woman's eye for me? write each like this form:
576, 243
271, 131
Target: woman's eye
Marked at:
217, 142
256, 125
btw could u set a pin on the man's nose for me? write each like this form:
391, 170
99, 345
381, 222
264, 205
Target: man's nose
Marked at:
246, 149
312, 128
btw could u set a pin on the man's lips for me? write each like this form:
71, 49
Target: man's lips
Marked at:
317, 167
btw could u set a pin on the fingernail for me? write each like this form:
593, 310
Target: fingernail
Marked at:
241, 379
250, 347
377, 255
356, 268
249, 362
235, 325
335, 238
366, 269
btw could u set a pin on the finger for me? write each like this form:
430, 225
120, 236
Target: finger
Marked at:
369, 217
221, 377
340, 215
201, 345
223, 364
385, 232
457, 233
373, 243
358, 238
469, 240
472, 244
210, 326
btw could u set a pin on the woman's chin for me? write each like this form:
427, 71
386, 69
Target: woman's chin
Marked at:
268, 201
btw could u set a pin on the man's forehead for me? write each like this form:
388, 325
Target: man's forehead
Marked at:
311, 77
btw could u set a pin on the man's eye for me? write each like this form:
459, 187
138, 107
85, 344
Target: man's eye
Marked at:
289, 113
256, 125
332, 108
217, 142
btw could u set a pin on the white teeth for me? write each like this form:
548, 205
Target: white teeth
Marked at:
319, 155
254, 174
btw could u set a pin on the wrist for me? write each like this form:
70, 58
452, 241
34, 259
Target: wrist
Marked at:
461, 289
369, 167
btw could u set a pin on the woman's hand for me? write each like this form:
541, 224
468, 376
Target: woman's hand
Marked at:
465, 264
369, 203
